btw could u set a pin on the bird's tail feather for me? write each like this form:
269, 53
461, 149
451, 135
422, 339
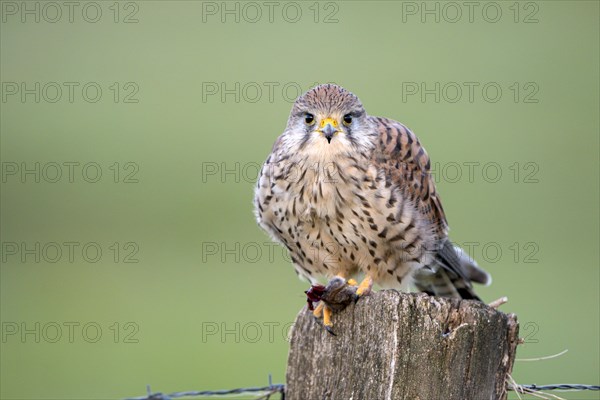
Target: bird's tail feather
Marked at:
451, 273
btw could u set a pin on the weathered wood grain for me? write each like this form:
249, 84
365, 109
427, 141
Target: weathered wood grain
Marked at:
394, 345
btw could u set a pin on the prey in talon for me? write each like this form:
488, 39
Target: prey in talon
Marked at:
348, 193
313, 295
334, 297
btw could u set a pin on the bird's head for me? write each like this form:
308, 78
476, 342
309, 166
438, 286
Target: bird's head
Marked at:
328, 119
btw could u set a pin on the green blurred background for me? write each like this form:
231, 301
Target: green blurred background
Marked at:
204, 268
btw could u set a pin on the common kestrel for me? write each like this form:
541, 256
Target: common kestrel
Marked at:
347, 193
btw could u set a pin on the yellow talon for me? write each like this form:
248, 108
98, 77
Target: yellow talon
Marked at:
352, 282
327, 316
318, 311
365, 286
327, 320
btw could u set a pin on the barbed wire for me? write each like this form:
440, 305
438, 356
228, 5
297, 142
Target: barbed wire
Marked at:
267, 391
558, 386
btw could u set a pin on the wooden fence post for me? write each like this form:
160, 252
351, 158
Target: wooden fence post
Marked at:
394, 345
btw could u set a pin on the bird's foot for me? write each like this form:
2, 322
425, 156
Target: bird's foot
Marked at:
323, 311
364, 288
324, 300
318, 311
327, 324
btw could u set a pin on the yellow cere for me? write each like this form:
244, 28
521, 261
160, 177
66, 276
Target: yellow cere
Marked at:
326, 121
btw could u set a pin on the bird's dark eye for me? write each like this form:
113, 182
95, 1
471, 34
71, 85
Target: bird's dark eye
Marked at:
347, 119
309, 119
